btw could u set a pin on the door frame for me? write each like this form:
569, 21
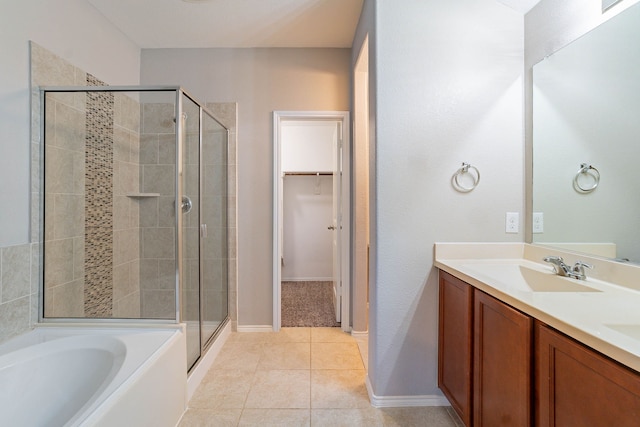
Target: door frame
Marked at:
345, 243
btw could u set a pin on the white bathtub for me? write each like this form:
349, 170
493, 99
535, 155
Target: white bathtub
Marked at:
93, 376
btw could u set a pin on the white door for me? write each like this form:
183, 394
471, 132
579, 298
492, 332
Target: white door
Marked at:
336, 226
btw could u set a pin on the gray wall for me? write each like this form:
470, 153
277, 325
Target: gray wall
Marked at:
448, 88
366, 31
260, 81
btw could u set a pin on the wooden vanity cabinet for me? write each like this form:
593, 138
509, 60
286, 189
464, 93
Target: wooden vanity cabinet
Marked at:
577, 386
501, 364
455, 344
500, 367
484, 356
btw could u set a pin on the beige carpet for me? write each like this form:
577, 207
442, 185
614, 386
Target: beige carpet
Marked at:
307, 304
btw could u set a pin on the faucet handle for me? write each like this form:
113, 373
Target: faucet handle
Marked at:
578, 270
579, 266
553, 259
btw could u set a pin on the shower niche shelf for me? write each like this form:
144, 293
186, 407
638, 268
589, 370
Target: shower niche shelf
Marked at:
142, 195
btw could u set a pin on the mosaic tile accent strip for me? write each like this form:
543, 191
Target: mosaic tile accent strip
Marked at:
98, 289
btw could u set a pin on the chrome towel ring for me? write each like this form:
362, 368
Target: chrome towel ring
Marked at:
590, 171
466, 168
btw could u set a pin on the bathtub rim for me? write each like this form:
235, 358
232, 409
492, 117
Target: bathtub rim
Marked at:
38, 351
110, 395
98, 413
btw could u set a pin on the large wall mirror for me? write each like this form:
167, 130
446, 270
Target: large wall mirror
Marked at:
586, 111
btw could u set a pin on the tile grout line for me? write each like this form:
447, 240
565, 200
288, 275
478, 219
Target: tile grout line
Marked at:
255, 370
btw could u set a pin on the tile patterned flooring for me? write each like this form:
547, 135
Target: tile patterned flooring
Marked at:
296, 377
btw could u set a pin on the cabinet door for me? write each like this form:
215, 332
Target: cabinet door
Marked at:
502, 364
577, 386
454, 348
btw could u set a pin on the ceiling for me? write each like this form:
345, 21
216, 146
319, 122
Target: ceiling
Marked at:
522, 6
234, 23
242, 23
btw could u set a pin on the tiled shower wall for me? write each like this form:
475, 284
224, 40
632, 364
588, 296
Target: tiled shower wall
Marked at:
126, 207
157, 210
65, 192
98, 204
91, 234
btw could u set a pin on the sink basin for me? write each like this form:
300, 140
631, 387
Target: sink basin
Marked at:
521, 278
632, 331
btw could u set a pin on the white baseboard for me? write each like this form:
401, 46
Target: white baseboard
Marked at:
404, 401
360, 334
307, 279
255, 328
200, 370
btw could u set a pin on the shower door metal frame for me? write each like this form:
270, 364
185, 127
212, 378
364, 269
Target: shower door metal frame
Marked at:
204, 344
61, 89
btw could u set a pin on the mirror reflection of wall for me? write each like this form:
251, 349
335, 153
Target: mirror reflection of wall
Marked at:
586, 109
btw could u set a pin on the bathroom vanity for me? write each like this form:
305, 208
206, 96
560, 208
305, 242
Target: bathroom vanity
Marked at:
520, 346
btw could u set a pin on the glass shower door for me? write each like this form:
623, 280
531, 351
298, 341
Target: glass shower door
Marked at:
214, 307
191, 227
204, 227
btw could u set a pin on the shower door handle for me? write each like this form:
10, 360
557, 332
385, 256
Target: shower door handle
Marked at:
186, 205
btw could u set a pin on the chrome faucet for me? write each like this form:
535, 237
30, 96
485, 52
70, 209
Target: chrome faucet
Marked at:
562, 269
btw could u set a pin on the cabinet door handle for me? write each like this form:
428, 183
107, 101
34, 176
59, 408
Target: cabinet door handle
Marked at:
331, 227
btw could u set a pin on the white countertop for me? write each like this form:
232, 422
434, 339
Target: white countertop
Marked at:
603, 315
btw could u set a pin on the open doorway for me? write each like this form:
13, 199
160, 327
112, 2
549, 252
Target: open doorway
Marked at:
311, 219
362, 179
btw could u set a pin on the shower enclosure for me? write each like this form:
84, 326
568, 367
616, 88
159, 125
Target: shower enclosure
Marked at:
134, 209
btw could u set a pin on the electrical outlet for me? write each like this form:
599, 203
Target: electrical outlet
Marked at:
513, 222
538, 222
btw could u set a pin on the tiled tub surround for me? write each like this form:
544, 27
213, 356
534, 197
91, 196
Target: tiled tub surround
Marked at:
19, 266
607, 320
